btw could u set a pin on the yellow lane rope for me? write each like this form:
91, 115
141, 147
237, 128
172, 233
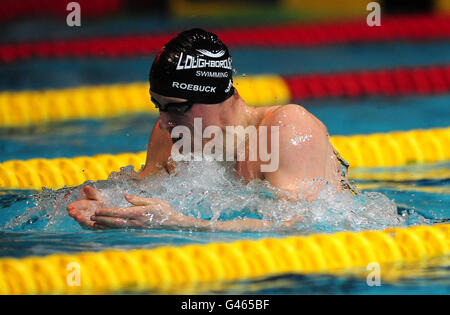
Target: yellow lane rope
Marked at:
25, 108
396, 175
375, 150
182, 268
440, 189
395, 148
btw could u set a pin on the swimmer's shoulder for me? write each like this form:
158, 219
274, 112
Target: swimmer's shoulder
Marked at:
293, 118
287, 115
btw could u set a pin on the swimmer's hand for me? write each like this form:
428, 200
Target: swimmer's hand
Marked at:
145, 213
158, 214
82, 210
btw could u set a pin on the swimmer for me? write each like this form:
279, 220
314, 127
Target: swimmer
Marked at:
191, 78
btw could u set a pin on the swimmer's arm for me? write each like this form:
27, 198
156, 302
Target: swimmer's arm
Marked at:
103, 218
158, 153
150, 213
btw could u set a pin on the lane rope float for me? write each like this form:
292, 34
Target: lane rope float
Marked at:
412, 27
374, 150
183, 268
25, 108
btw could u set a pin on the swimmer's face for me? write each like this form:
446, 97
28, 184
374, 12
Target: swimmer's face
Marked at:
170, 119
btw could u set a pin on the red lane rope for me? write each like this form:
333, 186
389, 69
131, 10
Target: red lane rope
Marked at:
16, 9
393, 28
430, 80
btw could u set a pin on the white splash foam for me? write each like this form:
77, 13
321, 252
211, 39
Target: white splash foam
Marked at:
211, 190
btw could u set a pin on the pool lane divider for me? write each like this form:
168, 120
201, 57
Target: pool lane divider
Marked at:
97, 102
393, 176
373, 150
202, 267
18, 109
412, 27
386, 82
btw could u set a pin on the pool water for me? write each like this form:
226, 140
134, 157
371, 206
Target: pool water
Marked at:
37, 224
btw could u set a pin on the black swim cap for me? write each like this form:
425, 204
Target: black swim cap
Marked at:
195, 66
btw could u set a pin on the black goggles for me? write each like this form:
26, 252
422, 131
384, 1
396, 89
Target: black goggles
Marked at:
177, 108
